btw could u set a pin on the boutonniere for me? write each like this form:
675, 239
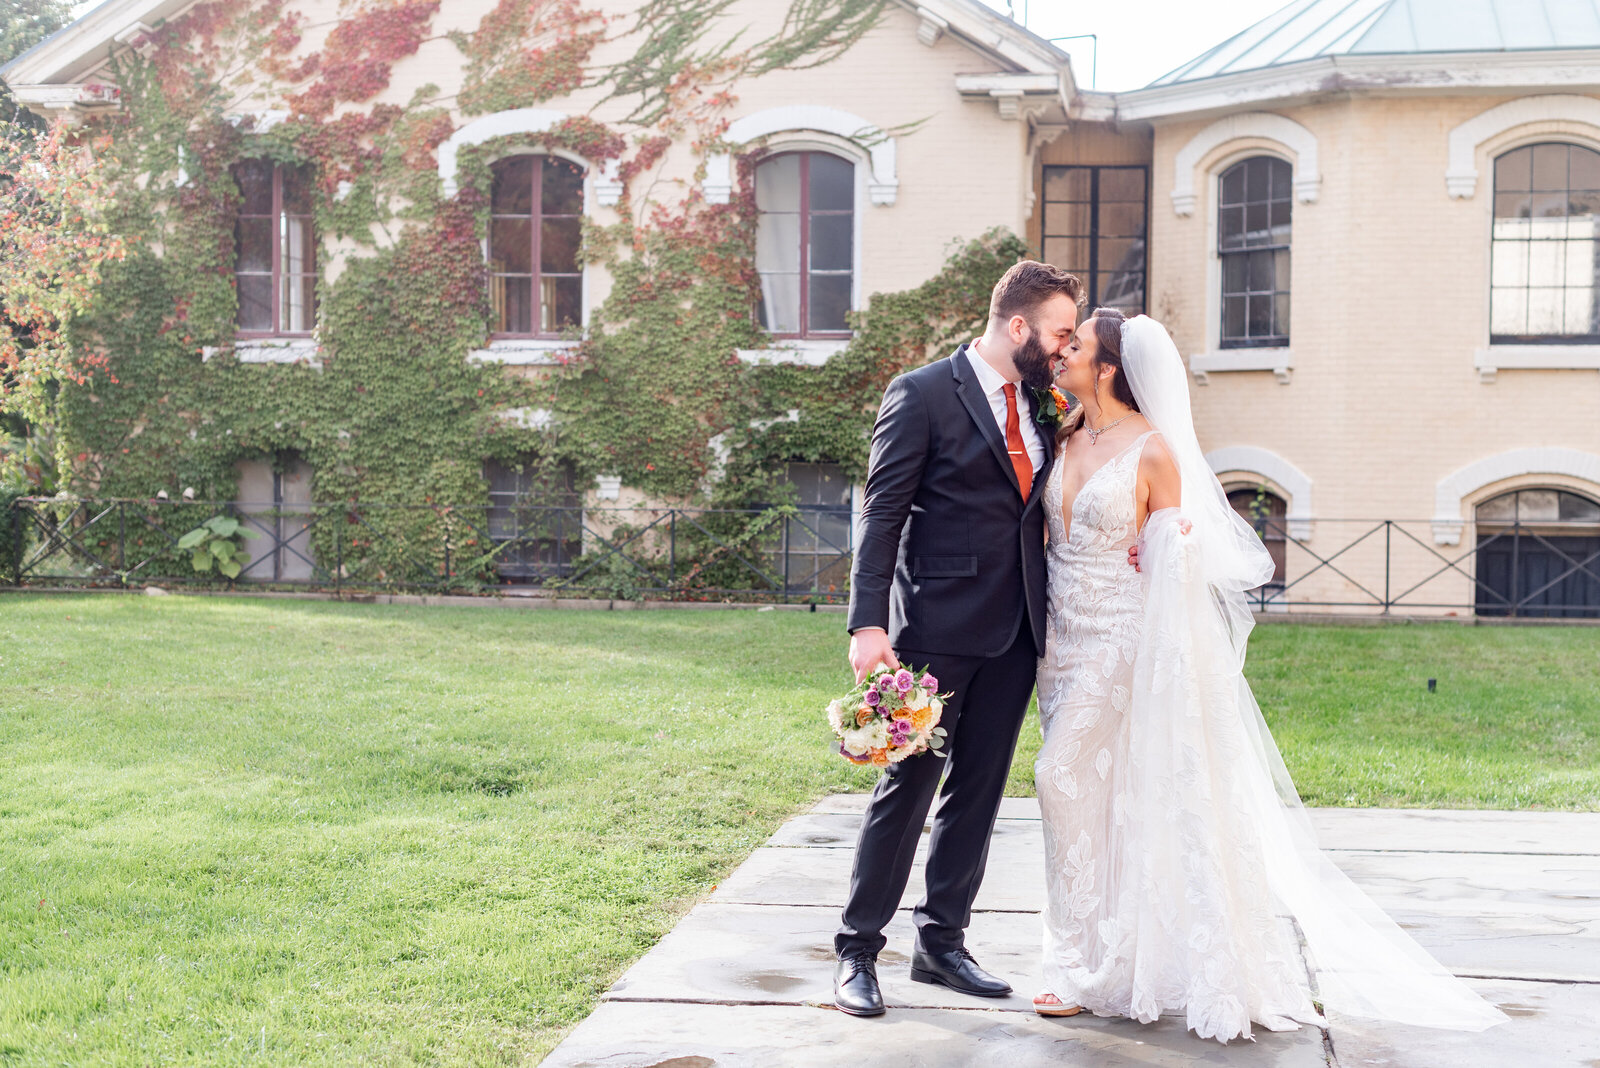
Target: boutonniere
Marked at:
1050, 406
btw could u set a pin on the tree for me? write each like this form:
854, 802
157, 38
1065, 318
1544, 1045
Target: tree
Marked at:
24, 23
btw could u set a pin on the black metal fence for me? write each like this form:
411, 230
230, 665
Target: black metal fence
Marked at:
1543, 570
1546, 570
781, 553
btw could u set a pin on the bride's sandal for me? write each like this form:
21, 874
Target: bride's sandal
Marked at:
1047, 1004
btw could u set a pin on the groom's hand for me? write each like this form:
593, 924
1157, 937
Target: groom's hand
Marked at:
869, 646
1184, 527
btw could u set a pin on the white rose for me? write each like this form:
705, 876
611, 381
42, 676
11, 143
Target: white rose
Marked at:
917, 698
876, 733
836, 715
855, 742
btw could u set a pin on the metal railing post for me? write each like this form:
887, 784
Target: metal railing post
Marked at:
16, 541
1516, 561
446, 552
672, 547
338, 554
1388, 557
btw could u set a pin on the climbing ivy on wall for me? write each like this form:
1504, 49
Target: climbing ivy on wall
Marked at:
390, 409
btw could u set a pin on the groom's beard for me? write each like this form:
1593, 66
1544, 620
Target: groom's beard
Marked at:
1033, 362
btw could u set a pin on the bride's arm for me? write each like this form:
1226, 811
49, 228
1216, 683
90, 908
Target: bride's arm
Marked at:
1159, 483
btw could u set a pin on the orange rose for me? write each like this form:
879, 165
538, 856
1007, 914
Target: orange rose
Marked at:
922, 718
863, 716
880, 758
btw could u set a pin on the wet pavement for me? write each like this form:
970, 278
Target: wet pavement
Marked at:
1510, 901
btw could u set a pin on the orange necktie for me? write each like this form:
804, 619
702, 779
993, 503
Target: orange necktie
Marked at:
1019, 452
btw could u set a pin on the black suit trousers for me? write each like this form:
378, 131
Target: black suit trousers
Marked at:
983, 717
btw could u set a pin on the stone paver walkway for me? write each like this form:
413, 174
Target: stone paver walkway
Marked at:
1508, 900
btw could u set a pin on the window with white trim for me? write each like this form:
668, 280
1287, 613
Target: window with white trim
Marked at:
275, 250
805, 243
535, 230
1545, 249
1253, 221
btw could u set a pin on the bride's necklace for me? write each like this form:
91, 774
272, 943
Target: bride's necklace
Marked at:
1094, 435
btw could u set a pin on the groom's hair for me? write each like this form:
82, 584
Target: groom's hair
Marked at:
1029, 284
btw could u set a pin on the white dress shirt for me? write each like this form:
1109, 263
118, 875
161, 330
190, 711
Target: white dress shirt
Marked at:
993, 385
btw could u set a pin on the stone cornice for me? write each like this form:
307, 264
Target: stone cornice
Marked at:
1441, 72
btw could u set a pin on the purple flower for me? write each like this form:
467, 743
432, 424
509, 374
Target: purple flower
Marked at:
872, 698
901, 726
886, 682
930, 684
903, 681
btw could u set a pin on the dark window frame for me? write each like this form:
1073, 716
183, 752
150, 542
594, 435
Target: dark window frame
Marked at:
536, 220
542, 517
1593, 336
806, 212
1515, 556
805, 553
1279, 337
1092, 282
279, 220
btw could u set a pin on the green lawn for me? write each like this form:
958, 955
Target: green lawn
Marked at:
277, 832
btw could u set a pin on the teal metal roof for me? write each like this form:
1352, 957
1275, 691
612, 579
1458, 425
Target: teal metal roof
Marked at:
1308, 29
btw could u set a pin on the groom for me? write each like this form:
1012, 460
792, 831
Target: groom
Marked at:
949, 575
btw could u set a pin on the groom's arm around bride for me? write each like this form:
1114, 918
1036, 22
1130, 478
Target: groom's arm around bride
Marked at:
949, 576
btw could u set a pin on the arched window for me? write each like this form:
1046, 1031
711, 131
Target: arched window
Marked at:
1268, 513
805, 243
1539, 555
1544, 245
535, 229
275, 250
1253, 207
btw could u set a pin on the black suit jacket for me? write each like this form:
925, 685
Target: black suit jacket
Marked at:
950, 557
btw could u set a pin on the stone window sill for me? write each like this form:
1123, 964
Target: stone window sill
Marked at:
803, 351
1497, 358
536, 352
270, 350
1279, 361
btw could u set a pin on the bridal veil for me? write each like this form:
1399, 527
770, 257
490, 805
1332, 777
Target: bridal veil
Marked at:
1208, 778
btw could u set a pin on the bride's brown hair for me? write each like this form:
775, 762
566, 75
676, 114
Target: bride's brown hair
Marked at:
1108, 353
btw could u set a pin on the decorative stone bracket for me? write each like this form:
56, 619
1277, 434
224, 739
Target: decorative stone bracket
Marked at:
1279, 361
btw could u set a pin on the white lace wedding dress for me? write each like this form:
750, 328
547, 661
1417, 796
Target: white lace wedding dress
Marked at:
1182, 921
1182, 872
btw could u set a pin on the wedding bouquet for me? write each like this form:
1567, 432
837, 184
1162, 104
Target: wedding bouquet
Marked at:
889, 716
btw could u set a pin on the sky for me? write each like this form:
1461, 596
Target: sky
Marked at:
1132, 54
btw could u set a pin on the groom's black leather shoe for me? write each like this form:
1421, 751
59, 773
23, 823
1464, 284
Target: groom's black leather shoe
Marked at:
958, 971
855, 985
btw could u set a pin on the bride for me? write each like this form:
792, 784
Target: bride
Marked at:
1181, 871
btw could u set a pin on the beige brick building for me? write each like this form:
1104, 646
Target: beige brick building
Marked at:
1373, 228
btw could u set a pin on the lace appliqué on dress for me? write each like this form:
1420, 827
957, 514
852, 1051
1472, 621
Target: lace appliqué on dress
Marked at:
1157, 899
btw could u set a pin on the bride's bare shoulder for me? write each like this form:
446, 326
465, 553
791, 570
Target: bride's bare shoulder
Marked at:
1156, 460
